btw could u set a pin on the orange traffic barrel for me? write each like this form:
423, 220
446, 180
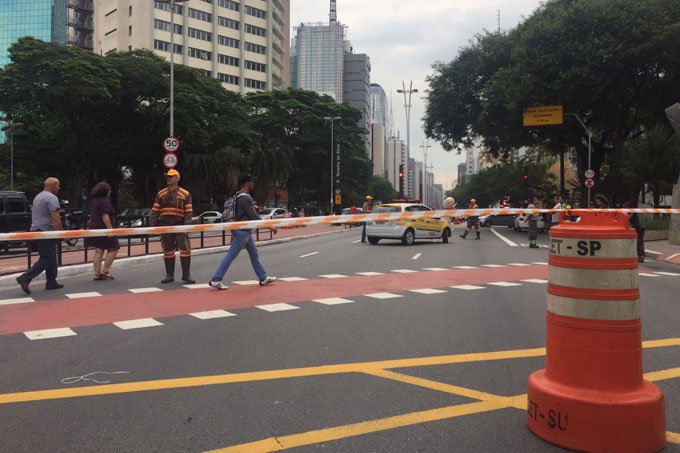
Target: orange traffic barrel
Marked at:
591, 396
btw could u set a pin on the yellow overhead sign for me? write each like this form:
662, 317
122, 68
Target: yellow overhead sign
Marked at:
543, 116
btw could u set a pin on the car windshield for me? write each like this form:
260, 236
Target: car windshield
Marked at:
380, 209
265, 212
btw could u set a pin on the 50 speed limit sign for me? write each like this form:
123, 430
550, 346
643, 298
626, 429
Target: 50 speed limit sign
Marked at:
170, 160
170, 144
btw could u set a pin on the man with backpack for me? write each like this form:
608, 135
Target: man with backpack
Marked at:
241, 207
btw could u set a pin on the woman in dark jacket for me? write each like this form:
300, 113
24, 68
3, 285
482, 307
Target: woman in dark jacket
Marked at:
102, 216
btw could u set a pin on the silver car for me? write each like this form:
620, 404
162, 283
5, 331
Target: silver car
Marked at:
407, 230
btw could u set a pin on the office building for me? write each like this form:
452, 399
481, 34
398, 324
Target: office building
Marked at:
356, 89
396, 154
244, 43
462, 170
379, 129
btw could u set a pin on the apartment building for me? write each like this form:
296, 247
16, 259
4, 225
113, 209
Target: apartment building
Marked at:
243, 43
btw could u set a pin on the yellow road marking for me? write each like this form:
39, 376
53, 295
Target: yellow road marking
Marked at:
663, 375
673, 437
358, 429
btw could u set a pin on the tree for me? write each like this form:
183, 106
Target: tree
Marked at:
615, 63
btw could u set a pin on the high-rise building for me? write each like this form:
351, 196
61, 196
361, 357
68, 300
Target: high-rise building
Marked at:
243, 43
80, 22
379, 129
462, 171
356, 89
396, 154
317, 58
42, 19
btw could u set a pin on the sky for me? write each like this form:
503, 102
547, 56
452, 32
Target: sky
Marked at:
403, 38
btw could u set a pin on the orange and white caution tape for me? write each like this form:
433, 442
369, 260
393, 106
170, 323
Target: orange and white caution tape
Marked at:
302, 221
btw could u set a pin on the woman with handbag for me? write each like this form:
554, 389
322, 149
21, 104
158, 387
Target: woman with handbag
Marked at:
102, 216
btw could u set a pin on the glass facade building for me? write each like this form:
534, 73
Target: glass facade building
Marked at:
42, 19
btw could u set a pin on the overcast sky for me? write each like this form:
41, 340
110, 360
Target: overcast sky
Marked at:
403, 38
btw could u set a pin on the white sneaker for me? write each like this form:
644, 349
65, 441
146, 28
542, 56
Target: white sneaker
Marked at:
267, 281
218, 285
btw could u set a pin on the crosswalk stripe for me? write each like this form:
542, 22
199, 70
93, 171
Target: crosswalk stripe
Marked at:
519, 264
18, 300
333, 301
467, 287
643, 274
137, 323
384, 295
540, 263
277, 307
292, 279
82, 295
49, 333
246, 282
427, 291
144, 290
668, 274
370, 274
403, 271
197, 286
434, 269
535, 280
333, 276
465, 267
492, 265
504, 284
212, 314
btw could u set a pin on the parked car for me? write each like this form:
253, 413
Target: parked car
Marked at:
15, 214
488, 221
274, 213
207, 217
521, 223
134, 218
407, 230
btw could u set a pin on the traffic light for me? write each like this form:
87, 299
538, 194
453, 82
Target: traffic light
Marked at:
525, 174
401, 180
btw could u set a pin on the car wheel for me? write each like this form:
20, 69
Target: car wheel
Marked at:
511, 226
373, 240
409, 237
446, 234
487, 224
71, 241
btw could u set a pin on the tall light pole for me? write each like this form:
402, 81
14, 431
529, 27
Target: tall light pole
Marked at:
590, 139
172, 63
332, 119
407, 107
425, 147
10, 127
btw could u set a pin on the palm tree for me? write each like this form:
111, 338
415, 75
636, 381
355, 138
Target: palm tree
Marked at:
652, 160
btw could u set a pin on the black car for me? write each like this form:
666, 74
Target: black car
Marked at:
492, 220
15, 214
134, 218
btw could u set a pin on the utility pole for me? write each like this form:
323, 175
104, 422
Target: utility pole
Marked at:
407, 107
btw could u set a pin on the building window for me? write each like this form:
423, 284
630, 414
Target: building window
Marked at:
110, 12
229, 5
130, 48
228, 23
255, 12
229, 42
254, 66
111, 31
200, 54
225, 59
206, 73
200, 34
228, 78
165, 46
200, 15
258, 85
130, 10
253, 30
165, 26
255, 48
165, 6
130, 30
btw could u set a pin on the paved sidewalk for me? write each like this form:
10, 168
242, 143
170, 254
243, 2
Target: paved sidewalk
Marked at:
663, 251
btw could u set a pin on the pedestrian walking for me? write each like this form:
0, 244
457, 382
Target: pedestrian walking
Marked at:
244, 209
555, 216
102, 216
173, 207
367, 207
472, 221
532, 219
601, 202
44, 217
634, 220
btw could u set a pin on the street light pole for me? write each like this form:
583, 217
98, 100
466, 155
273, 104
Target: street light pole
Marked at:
407, 107
590, 139
423, 194
172, 63
332, 119
10, 127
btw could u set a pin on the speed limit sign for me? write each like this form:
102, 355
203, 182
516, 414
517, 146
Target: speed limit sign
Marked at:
590, 174
170, 160
171, 144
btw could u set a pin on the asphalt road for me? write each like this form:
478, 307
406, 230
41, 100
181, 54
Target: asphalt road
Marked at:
364, 348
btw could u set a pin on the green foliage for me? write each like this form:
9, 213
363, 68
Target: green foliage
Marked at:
615, 63
381, 190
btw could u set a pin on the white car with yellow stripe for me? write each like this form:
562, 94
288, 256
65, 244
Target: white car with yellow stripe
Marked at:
407, 230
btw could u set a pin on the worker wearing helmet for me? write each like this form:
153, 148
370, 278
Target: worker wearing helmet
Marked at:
367, 207
472, 221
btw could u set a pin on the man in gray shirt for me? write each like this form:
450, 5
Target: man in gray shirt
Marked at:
44, 217
244, 206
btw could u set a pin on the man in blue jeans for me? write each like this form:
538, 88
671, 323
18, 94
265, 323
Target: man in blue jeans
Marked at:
244, 207
45, 217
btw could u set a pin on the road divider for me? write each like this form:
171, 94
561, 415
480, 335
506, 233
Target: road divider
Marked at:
304, 221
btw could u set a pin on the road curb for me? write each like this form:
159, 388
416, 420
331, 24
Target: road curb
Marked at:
78, 269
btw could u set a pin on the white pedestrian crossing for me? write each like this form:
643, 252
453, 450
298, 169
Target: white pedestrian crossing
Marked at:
49, 333
277, 307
